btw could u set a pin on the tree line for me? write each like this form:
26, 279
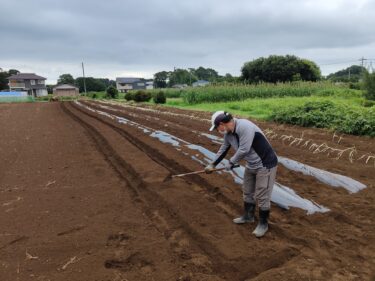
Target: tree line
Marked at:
92, 84
271, 69
164, 79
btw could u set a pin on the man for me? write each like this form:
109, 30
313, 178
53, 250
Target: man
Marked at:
251, 145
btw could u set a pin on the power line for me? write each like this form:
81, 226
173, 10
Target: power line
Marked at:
354, 61
342, 62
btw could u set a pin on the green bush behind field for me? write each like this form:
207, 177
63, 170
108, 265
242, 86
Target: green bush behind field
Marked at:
168, 92
327, 114
344, 113
158, 96
102, 95
240, 92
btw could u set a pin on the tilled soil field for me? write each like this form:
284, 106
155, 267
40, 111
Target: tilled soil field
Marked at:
86, 196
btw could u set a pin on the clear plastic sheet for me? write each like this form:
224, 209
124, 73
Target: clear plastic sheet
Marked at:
328, 178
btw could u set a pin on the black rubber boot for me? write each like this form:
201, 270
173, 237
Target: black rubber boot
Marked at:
262, 226
248, 216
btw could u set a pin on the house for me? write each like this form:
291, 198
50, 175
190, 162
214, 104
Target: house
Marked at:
149, 84
31, 83
124, 84
65, 90
201, 83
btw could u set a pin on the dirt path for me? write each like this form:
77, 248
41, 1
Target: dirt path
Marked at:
84, 197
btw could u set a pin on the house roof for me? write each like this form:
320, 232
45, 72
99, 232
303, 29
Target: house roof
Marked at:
127, 79
26, 76
64, 86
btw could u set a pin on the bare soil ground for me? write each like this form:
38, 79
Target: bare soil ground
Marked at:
84, 197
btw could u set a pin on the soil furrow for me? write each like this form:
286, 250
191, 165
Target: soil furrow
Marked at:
233, 268
169, 163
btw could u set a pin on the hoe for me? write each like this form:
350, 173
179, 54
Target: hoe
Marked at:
196, 172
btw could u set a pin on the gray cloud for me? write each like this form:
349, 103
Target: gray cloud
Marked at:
141, 37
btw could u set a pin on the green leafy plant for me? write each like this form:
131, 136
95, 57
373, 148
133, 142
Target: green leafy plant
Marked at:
129, 96
111, 93
326, 114
369, 86
141, 96
159, 97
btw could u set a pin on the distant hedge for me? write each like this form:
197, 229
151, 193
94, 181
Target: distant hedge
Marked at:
138, 96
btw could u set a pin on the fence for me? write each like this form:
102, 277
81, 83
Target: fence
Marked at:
15, 97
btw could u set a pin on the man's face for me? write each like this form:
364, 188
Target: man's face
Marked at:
225, 127
222, 129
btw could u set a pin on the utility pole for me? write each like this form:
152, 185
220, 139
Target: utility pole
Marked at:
84, 79
349, 74
362, 61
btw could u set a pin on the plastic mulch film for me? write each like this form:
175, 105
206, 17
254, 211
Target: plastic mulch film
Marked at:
328, 178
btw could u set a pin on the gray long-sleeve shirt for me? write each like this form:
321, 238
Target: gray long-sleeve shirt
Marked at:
250, 144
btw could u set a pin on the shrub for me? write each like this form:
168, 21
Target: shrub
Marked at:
352, 120
142, 96
355, 85
368, 103
111, 93
94, 96
160, 97
369, 86
129, 96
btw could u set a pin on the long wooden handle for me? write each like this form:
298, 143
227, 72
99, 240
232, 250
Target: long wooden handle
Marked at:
196, 172
201, 172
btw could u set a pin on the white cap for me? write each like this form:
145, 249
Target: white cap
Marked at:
216, 119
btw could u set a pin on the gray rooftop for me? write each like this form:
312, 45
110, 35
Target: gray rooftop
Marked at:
65, 86
27, 76
127, 79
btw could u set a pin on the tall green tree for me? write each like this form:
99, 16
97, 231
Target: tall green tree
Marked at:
280, 69
65, 79
181, 76
350, 74
92, 84
208, 74
4, 78
160, 79
107, 82
13, 72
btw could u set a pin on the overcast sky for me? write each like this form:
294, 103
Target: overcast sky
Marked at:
140, 37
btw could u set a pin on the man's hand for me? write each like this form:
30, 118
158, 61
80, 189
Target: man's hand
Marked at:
209, 168
229, 166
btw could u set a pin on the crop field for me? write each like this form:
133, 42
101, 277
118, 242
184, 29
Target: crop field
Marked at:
86, 194
320, 105
241, 92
